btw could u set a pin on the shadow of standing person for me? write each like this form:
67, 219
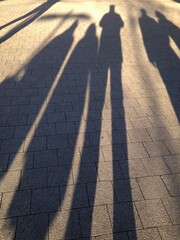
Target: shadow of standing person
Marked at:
105, 180
160, 54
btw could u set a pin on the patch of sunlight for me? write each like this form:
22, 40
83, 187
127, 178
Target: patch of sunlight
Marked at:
174, 47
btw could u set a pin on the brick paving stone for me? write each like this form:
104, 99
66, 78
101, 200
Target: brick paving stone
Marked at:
173, 163
15, 204
141, 122
36, 144
58, 176
113, 152
45, 158
97, 138
169, 232
21, 131
100, 193
94, 221
6, 132
174, 132
57, 141
145, 234
124, 217
108, 171
173, 146
152, 187
32, 227
173, 209
76, 196
127, 190
66, 127
11, 145
155, 166
68, 156
8, 228
86, 172
33, 178
4, 158
172, 183
45, 129
21, 161
115, 236
45, 200
62, 227
156, 148
152, 213
91, 154
135, 150
139, 135
158, 133
10, 181
132, 168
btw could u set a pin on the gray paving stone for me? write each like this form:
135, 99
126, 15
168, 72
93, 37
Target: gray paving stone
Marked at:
12, 145
55, 117
172, 183
135, 150
16, 120
68, 156
45, 158
33, 178
113, 152
99, 139
58, 176
57, 141
173, 146
4, 121
152, 213
22, 131
127, 190
119, 124
145, 234
140, 122
6, 132
91, 154
108, 171
152, 187
76, 196
8, 228
159, 121
115, 236
173, 208
94, 221
155, 166
36, 144
21, 161
64, 228
156, 148
100, 193
45, 200
31, 118
158, 133
72, 138
28, 109
144, 111
169, 232
19, 100
118, 137
124, 217
10, 181
86, 172
4, 158
174, 132
15, 204
9, 110
65, 128
45, 129
73, 116
132, 168
173, 163
139, 135
32, 227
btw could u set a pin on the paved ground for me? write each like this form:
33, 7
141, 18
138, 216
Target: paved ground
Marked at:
89, 130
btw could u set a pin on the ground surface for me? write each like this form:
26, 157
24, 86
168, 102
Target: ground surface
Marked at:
89, 130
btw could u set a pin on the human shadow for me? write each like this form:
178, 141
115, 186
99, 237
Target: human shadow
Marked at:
53, 159
28, 19
157, 44
100, 167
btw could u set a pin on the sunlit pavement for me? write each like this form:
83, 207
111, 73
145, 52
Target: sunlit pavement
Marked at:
89, 129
